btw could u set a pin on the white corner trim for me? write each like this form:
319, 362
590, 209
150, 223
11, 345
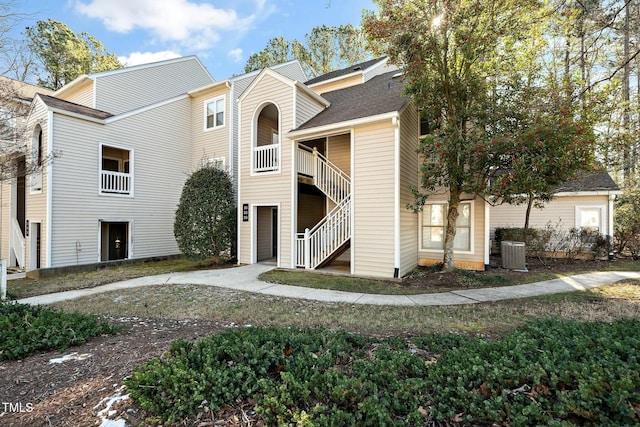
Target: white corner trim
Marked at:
396, 195
487, 233
49, 219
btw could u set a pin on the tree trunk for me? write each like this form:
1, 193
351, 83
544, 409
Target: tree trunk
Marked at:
450, 230
626, 156
528, 213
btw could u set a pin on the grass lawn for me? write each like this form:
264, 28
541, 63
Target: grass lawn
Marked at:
23, 288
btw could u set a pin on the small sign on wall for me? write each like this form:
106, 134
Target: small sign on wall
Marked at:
245, 212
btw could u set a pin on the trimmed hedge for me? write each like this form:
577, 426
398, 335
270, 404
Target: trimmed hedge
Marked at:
545, 373
26, 329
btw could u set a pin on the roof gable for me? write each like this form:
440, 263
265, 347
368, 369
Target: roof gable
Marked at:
380, 95
354, 69
589, 181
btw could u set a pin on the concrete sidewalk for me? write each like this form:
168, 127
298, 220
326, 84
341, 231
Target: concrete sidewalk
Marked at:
245, 278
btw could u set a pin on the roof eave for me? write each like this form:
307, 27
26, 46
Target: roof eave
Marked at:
211, 86
345, 125
312, 94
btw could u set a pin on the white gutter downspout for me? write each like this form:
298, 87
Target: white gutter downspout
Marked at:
396, 197
49, 218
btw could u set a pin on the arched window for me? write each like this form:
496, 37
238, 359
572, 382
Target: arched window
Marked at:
37, 149
266, 140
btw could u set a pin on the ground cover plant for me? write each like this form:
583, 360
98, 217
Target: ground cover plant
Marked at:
26, 329
546, 372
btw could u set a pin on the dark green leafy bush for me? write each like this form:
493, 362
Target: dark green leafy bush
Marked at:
545, 373
206, 215
26, 329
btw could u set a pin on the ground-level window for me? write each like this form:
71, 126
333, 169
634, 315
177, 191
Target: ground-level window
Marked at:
589, 218
216, 162
434, 219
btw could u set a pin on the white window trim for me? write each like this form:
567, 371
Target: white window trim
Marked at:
603, 210
131, 170
471, 250
224, 120
215, 161
32, 178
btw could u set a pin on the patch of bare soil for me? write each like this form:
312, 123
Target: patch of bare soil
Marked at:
36, 392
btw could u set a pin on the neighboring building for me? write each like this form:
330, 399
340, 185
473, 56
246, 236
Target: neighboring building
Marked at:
125, 142
15, 101
321, 168
586, 202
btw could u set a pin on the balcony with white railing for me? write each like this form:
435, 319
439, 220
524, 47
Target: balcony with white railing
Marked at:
115, 182
266, 158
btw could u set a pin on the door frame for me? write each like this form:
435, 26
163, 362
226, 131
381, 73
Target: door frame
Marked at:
35, 245
254, 230
129, 223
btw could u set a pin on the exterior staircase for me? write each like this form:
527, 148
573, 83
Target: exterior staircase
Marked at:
17, 242
333, 232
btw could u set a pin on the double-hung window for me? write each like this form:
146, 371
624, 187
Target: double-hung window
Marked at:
434, 222
214, 111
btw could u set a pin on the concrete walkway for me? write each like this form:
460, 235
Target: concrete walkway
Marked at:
245, 278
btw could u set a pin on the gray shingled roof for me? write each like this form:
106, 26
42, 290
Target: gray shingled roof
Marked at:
590, 181
344, 71
382, 94
72, 107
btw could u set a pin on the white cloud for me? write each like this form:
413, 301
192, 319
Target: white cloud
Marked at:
235, 55
168, 20
137, 58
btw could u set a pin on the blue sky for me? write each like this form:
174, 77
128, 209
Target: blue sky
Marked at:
223, 33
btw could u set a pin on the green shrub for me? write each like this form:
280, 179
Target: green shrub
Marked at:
206, 215
26, 329
545, 373
555, 241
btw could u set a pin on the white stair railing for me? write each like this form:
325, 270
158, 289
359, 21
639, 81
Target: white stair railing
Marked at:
316, 245
329, 178
328, 235
17, 242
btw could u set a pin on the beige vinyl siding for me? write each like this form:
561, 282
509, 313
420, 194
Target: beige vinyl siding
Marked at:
339, 152
465, 259
119, 92
81, 94
267, 189
409, 123
311, 209
342, 83
37, 202
560, 211
159, 141
210, 143
5, 218
306, 108
372, 243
